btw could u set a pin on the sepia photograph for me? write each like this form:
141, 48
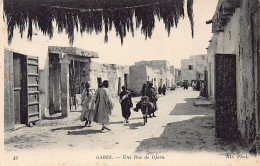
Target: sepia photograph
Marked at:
130, 82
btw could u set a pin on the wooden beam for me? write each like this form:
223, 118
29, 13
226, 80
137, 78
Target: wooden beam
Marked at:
209, 21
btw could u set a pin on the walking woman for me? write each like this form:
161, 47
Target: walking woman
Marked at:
126, 103
88, 105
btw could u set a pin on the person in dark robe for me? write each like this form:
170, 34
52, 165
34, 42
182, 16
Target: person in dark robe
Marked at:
146, 107
164, 90
144, 89
160, 90
126, 103
150, 92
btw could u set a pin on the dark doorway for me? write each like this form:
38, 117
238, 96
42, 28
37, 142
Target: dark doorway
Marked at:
205, 91
225, 93
99, 81
125, 80
54, 83
119, 86
17, 72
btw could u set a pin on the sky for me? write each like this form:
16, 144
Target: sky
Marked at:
179, 45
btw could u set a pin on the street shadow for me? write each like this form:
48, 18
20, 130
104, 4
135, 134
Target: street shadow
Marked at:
193, 135
134, 126
119, 122
136, 118
84, 132
68, 128
54, 117
189, 108
75, 111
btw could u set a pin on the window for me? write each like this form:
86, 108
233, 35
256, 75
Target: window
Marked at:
203, 57
190, 67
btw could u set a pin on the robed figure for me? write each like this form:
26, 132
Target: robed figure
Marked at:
104, 106
88, 105
126, 103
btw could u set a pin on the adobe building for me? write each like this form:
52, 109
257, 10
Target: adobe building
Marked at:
68, 69
234, 70
164, 67
194, 68
177, 76
117, 75
140, 74
172, 75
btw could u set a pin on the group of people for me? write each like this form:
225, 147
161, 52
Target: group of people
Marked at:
97, 105
148, 102
162, 90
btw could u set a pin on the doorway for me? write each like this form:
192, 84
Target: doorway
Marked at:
125, 80
119, 86
225, 94
99, 82
17, 73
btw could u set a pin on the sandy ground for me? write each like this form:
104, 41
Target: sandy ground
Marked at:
179, 127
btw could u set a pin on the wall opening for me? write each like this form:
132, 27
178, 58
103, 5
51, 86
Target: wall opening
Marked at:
125, 80
99, 82
225, 95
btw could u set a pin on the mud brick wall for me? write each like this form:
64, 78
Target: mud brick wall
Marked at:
247, 99
138, 77
111, 72
238, 38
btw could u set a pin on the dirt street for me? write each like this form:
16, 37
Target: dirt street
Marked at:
179, 127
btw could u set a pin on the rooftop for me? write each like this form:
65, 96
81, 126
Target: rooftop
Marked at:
224, 11
73, 51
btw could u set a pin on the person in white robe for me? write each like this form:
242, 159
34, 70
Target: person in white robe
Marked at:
88, 104
103, 106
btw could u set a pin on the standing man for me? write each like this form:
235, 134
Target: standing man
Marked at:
160, 90
164, 89
126, 103
104, 106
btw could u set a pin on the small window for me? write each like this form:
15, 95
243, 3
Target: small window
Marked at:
190, 67
203, 57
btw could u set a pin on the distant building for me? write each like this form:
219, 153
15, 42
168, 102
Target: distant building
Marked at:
117, 75
194, 68
164, 67
172, 75
141, 74
177, 75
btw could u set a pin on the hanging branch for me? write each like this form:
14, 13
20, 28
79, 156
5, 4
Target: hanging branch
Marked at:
92, 15
190, 15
